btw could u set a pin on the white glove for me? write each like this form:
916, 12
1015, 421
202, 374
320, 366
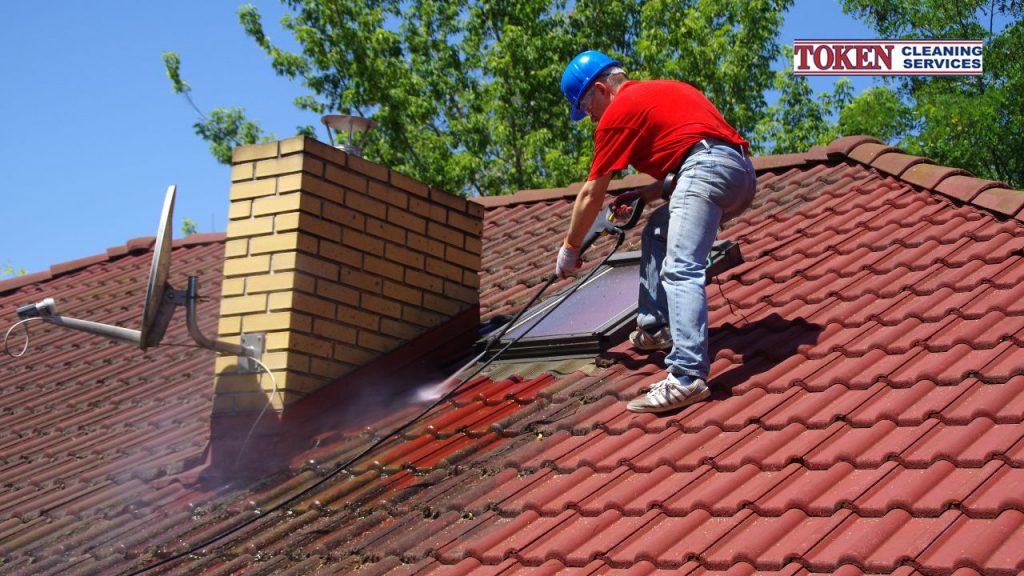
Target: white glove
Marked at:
568, 262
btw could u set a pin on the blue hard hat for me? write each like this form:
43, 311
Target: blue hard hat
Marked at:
579, 75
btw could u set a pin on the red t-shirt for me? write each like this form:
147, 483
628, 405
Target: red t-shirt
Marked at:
652, 124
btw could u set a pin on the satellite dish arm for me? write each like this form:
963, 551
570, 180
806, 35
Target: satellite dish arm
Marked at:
46, 310
191, 296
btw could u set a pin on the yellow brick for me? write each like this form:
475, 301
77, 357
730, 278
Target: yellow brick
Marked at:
407, 220
256, 402
223, 404
359, 318
286, 361
427, 209
353, 354
340, 254
376, 341
295, 385
472, 226
333, 332
421, 317
276, 341
292, 145
400, 330
381, 306
243, 304
275, 243
452, 201
301, 262
329, 369
322, 188
279, 301
444, 269
442, 305
404, 293
401, 255
445, 234
236, 248
475, 209
383, 268
316, 266
233, 382
229, 326
317, 307
310, 224
460, 292
283, 261
253, 189
280, 281
251, 227
471, 279
345, 177
390, 195
286, 222
425, 245
384, 230
233, 287
462, 258
337, 292
272, 321
254, 152
313, 345
362, 280
243, 171
347, 217
246, 266
423, 281
364, 166
409, 184
240, 209
367, 205
288, 164
291, 182
361, 241
285, 203
326, 152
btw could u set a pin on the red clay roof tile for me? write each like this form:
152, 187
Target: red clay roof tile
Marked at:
866, 416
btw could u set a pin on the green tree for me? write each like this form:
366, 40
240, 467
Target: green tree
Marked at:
973, 122
189, 227
800, 118
7, 271
465, 92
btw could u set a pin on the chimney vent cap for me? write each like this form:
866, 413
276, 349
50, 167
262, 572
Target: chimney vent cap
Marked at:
350, 126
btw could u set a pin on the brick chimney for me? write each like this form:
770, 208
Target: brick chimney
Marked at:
337, 260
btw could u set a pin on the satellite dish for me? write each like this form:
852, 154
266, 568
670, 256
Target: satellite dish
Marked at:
161, 300
158, 308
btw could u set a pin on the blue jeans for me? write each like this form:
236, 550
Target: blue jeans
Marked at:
677, 241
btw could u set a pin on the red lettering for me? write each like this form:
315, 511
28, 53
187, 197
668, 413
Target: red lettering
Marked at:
823, 64
802, 51
843, 57
883, 53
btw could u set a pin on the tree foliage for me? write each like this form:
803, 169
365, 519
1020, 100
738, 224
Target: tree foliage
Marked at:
800, 118
465, 92
973, 122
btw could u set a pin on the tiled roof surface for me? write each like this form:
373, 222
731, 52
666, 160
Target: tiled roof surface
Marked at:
866, 417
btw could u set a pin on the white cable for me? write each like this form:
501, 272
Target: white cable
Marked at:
24, 348
275, 391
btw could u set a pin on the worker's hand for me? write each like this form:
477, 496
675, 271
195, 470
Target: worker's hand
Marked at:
620, 205
568, 262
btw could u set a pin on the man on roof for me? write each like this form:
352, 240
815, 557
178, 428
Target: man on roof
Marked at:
663, 128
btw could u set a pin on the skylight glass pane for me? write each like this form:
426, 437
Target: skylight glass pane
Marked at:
605, 297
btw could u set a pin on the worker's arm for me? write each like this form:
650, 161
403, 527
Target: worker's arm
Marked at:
588, 205
586, 208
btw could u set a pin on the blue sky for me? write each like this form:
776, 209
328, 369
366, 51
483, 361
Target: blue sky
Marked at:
95, 135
